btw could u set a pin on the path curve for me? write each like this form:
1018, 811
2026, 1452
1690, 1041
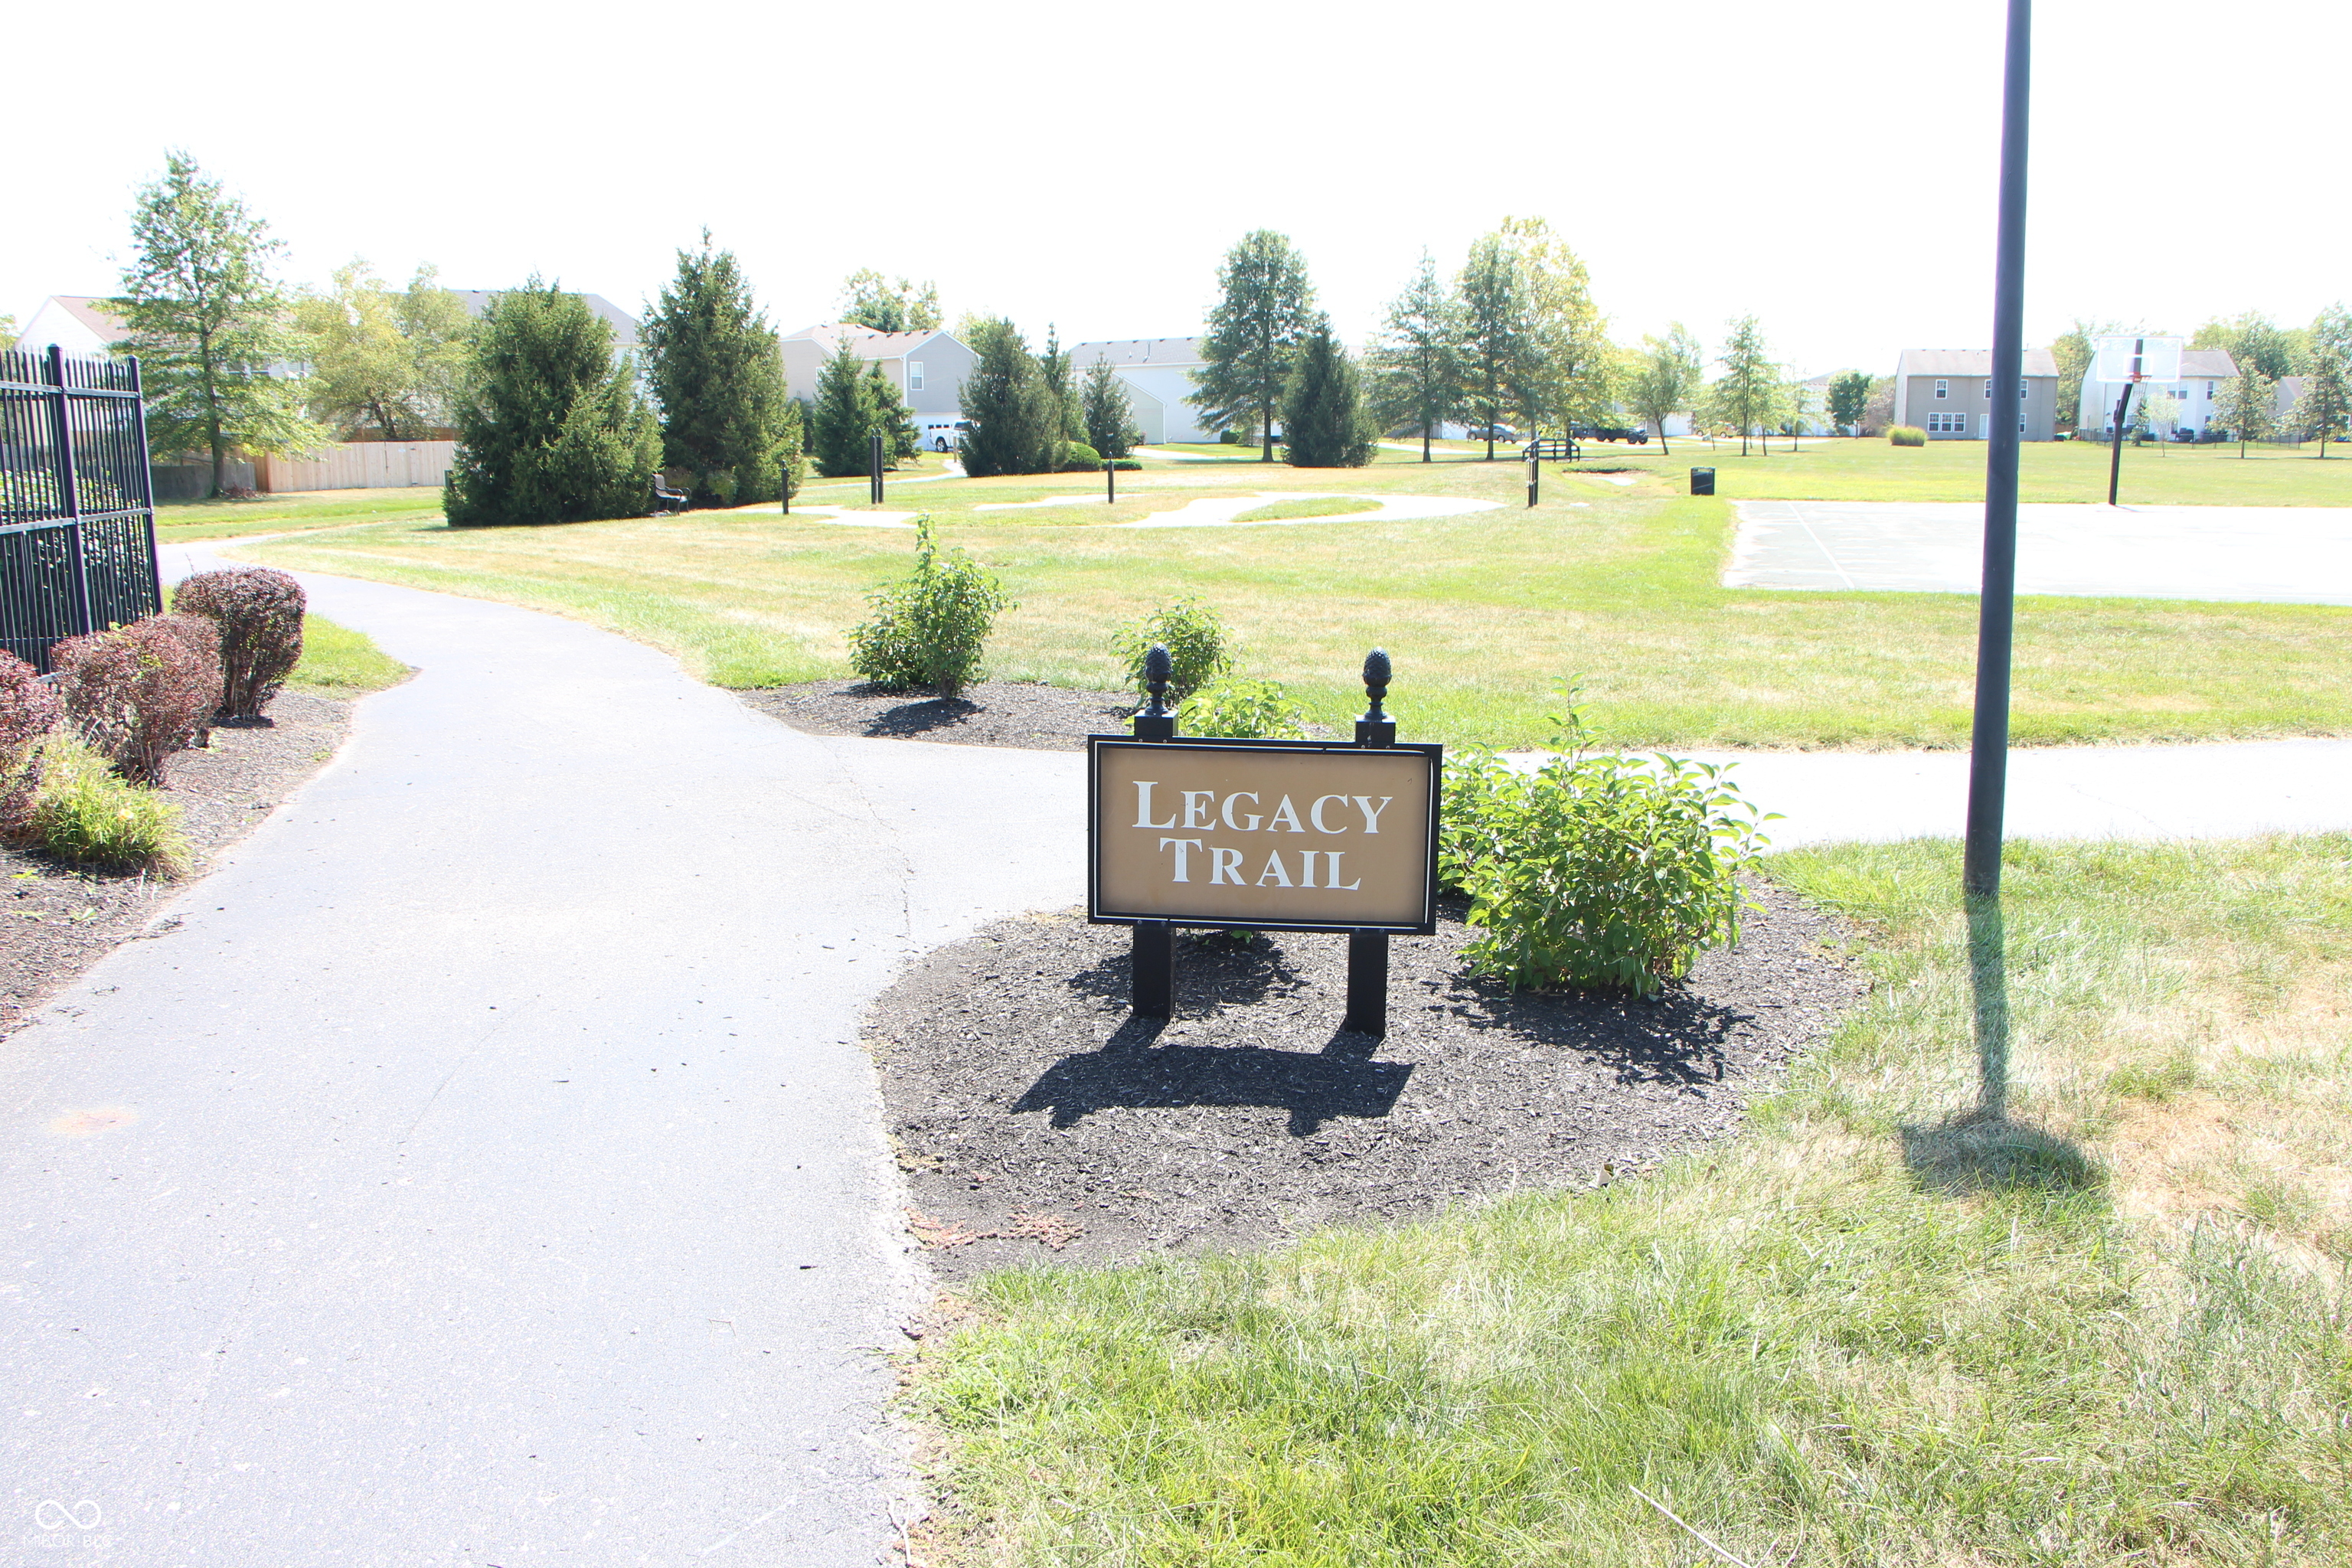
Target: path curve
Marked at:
483, 1169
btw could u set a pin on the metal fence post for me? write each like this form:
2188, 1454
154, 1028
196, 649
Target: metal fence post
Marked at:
69, 489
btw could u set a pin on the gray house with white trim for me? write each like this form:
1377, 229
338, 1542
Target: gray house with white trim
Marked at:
928, 367
1948, 393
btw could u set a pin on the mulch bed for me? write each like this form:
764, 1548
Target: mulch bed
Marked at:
56, 920
1019, 713
1038, 1121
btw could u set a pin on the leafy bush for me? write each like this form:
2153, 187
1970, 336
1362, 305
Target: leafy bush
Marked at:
88, 817
928, 630
1078, 458
1124, 464
1906, 436
1196, 642
1228, 438
259, 615
1244, 711
138, 693
1594, 871
28, 712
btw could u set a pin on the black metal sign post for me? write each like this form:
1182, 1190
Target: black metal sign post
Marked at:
1110, 481
1534, 478
873, 450
785, 489
1996, 606
1225, 789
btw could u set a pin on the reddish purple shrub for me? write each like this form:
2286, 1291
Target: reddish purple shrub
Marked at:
259, 612
28, 712
137, 693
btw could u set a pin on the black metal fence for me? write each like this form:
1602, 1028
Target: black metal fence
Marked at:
77, 501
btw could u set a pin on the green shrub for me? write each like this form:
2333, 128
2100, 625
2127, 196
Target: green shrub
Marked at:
1243, 710
258, 612
88, 817
1124, 464
1227, 437
1594, 871
1196, 640
928, 630
139, 692
1078, 458
1906, 436
29, 711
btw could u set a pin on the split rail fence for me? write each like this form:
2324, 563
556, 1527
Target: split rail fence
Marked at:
77, 501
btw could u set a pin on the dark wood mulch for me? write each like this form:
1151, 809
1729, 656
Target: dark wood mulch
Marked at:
1019, 713
56, 920
1038, 1120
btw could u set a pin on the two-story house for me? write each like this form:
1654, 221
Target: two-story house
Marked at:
1948, 393
1159, 385
2196, 393
927, 366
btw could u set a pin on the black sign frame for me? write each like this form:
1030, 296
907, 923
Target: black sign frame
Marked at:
1098, 744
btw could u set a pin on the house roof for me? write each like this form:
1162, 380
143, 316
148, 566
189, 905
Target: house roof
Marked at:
2210, 364
90, 309
1968, 362
1139, 350
869, 343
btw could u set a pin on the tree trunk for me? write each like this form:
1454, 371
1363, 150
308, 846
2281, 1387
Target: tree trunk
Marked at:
1424, 442
212, 417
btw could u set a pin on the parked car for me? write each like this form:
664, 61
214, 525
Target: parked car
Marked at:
1489, 433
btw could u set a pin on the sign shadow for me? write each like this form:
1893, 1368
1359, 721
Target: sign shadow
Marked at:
1131, 1071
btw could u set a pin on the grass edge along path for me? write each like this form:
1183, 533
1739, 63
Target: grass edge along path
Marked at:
1874, 1328
340, 662
1485, 614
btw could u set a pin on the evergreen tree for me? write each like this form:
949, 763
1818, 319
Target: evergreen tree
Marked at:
1416, 364
870, 300
892, 417
1325, 423
1490, 301
1109, 414
207, 322
1016, 424
1665, 378
380, 360
854, 401
1749, 395
718, 375
1054, 366
551, 425
2325, 406
1263, 310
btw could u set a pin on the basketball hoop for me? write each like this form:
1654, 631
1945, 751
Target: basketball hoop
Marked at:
2130, 362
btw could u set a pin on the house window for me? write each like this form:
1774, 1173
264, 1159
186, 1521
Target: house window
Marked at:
1943, 389
2209, 392
2021, 390
1987, 389
1948, 424
914, 375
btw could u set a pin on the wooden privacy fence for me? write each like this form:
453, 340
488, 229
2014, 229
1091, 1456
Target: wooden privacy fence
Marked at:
358, 465
77, 501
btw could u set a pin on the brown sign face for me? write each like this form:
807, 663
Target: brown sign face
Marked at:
1265, 834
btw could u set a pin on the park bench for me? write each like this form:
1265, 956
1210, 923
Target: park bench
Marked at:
1560, 449
665, 499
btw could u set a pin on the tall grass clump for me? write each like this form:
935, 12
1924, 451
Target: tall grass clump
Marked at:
1906, 436
87, 814
928, 630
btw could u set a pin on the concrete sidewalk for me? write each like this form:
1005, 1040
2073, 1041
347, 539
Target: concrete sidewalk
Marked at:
480, 1168
2284, 554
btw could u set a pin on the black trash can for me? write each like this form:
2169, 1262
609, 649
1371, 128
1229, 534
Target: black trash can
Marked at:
1702, 482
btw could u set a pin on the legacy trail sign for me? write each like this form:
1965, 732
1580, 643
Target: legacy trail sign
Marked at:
1311, 835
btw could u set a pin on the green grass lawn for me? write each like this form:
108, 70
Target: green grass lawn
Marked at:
1832, 469
2090, 1311
1484, 614
185, 522
341, 662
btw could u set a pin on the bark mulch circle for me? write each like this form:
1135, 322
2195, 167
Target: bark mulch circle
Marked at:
56, 920
1038, 1121
1017, 713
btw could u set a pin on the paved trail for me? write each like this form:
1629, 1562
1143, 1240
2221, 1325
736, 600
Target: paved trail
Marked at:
480, 1170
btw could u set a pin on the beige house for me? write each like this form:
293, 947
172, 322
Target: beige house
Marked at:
1948, 393
928, 367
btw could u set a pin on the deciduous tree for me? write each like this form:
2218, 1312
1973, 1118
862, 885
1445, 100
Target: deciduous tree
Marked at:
209, 324
1265, 309
1416, 363
889, 305
1749, 395
1849, 395
551, 424
384, 361
717, 374
1566, 375
1325, 423
1664, 379
1109, 413
2249, 404
2255, 342
2325, 406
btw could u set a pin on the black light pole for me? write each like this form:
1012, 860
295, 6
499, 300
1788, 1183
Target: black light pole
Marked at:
874, 453
1996, 612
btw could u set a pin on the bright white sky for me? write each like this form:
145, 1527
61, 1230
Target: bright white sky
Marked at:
1830, 168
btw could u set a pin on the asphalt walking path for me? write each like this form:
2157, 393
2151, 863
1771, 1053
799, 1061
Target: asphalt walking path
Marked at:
479, 1167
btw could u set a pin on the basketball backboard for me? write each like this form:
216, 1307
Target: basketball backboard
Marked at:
2137, 358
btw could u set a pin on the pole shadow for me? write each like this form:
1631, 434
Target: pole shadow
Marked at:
1984, 1150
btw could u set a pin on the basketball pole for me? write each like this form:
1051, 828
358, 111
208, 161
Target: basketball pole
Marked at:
1996, 608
